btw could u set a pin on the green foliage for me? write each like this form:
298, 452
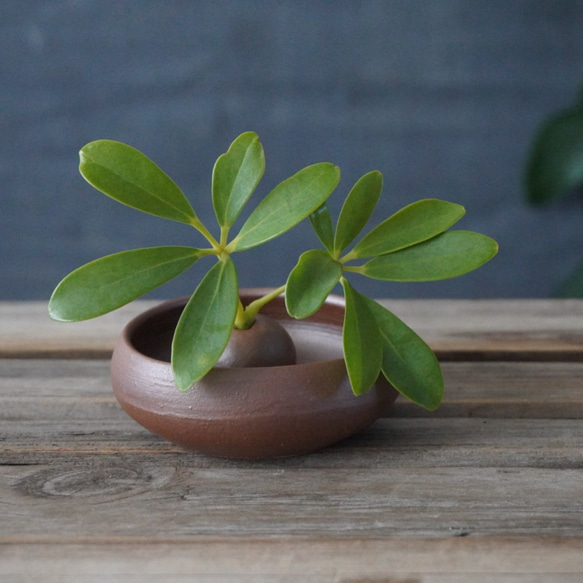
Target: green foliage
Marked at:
555, 164
444, 256
408, 363
310, 283
289, 203
572, 287
114, 281
361, 341
322, 224
205, 325
413, 224
235, 176
126, 175
413, 244
554, 169
357, 209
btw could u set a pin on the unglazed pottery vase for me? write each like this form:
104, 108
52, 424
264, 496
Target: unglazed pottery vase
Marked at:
251, 412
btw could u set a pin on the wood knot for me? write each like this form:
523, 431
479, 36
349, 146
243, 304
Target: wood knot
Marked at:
94, 482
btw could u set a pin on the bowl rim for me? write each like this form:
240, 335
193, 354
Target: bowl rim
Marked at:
247, 295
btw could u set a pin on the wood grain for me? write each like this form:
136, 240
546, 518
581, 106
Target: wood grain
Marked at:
155, 498
455, 329
487, 488
325, 559
535, 390
65, 439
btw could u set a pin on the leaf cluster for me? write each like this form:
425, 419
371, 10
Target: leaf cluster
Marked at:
414, 244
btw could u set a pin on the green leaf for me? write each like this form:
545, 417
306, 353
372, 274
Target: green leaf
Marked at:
128, 176
413, 224
447, 255
235, 176
361, 340
572, 287
205, 325
310, 282
322, 224
408, 362
555, 163
287, 204
357, 209
113, 281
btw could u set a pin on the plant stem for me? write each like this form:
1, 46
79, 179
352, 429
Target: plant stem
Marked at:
241, 322
206, 234
246, 316
348, 257
224, 236
352, 268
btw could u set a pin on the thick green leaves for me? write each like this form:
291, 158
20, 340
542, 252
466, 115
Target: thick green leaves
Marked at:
113, 281
287, 204
408, 363
555, 164
447, 255
205, 325
361, 341
126, 175
357, 209
310, 282
413, 224
235, 176
321, 221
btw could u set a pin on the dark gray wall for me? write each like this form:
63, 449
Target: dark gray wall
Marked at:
442, 96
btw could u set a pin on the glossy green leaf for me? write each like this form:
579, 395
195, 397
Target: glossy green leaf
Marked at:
413, 224
321, 221
236, 174
408, 362
447, 255
555, 163
357, 209
205, 325
361, 340
128, 176
287, 204
310, 282
113, 281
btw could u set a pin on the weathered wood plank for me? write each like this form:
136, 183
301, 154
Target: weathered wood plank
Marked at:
287, 560
497, 329
456, 329
416, 497
35, 389
515, 390
28, 332
389, 443
53, 410
155, 499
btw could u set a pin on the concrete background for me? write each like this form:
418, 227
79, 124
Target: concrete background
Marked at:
442, 96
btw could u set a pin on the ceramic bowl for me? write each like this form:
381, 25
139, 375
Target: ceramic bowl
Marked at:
252, 412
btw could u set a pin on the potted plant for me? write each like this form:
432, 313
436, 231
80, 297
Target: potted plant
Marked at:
266, 372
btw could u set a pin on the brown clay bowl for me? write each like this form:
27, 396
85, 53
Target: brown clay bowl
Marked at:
247, 413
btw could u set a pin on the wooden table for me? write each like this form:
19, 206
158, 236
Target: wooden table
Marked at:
488, 488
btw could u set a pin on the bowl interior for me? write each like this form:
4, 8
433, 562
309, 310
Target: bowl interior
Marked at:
317, 339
